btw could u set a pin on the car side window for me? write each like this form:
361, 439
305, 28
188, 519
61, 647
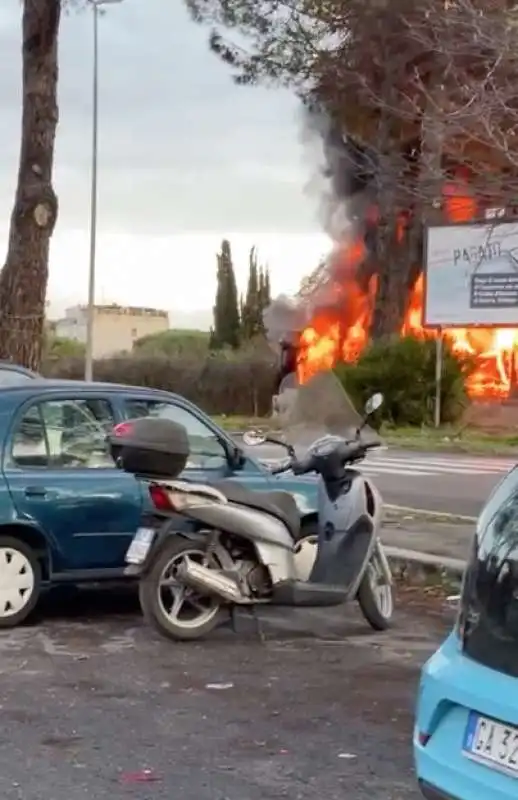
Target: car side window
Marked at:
65, 434
207, 452
489, 610
29, 444
497, 525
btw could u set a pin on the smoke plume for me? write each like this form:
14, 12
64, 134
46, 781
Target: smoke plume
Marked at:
345, 175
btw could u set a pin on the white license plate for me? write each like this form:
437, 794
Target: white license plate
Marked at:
492, 743
139, 547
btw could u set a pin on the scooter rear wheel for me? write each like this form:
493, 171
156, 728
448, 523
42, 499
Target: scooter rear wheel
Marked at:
174, 610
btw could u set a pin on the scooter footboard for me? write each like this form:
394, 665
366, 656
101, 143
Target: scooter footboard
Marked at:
343, 555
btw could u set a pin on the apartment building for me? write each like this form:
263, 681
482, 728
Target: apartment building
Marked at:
115, 327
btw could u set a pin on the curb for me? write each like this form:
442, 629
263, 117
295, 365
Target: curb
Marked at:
425, 512
416, 567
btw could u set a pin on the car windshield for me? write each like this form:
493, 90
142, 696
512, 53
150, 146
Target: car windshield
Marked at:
489, 603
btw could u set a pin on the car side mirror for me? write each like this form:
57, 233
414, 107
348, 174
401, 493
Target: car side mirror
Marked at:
236, 458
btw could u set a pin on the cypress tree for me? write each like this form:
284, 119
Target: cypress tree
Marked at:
251, 322
264, 296
226, 312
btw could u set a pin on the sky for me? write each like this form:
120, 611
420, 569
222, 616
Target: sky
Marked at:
186, 158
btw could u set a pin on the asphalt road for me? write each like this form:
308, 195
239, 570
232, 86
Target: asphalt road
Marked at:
457, 484
97, 706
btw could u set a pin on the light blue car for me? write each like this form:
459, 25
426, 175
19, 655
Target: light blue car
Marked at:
466, 728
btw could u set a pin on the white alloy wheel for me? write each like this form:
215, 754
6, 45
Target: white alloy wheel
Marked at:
17, 581
185, 607
175, 610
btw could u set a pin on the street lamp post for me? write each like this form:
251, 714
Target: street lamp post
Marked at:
96, 6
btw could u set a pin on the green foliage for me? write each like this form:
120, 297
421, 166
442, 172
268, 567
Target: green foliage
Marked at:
404, 371
174, 342
256, 300
226, 382
227, 325
57, 347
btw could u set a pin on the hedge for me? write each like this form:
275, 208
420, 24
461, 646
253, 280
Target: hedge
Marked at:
243, 383
217, 384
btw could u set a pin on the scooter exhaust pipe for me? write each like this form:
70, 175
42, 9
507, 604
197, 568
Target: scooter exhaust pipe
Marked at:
210, 582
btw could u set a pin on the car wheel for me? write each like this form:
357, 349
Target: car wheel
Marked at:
20, 581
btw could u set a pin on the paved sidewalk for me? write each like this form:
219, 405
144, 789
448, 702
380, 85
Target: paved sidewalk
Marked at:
433, 538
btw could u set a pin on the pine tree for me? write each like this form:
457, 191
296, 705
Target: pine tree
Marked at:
226, 313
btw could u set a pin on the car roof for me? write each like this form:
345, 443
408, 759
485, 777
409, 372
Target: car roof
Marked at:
50, 384
8, 366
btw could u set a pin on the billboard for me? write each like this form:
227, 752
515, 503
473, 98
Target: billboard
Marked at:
471, 275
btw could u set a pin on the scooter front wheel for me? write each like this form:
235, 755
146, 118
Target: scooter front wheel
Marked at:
173, 609
376, 596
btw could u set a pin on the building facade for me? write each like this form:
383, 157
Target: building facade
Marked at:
115, 327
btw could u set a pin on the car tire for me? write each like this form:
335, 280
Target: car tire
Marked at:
20, 581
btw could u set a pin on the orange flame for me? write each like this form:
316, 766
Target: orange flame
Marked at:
331, 338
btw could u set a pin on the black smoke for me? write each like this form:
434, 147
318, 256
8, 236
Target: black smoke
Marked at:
347, 177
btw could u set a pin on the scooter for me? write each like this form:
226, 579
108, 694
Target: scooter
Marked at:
243, 548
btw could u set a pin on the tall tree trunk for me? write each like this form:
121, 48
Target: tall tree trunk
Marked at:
23, 280
395, 279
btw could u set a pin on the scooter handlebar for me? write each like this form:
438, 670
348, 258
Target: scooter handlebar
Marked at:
348, 452
355, 450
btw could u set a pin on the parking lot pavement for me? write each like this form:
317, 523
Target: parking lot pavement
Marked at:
97, 706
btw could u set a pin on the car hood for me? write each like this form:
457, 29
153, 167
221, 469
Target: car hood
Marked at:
304, 489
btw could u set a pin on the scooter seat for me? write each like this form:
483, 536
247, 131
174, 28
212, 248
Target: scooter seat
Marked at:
277, 503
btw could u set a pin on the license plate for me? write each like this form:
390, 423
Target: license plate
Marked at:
140, 546
492, 743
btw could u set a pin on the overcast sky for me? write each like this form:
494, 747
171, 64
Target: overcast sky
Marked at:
185, 158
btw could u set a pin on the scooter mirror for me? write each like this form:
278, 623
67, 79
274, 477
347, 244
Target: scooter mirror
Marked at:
253, 438
374, 402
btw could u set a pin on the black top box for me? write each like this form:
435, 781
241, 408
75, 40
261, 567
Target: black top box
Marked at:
150, 446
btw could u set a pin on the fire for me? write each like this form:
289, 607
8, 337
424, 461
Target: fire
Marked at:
329, 340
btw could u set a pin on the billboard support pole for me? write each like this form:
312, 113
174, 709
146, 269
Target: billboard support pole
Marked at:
438, 376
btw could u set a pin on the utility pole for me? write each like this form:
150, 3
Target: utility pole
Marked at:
97, 7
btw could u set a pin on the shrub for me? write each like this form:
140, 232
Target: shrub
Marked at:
403, 370
217, 383
174, 343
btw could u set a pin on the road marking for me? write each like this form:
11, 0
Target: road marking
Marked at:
447, 515
425, 467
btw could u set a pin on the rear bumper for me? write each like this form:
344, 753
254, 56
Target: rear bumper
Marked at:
452, 685
432, 793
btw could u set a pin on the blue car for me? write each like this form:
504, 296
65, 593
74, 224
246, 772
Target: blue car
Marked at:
466, 728
67, 514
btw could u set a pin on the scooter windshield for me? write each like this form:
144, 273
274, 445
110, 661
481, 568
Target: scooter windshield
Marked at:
318, 407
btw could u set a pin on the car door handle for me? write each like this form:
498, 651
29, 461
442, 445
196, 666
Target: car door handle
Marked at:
35, 491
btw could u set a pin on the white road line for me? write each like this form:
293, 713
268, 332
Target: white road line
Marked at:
446, 462
395, 471
428, 467
415, 468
